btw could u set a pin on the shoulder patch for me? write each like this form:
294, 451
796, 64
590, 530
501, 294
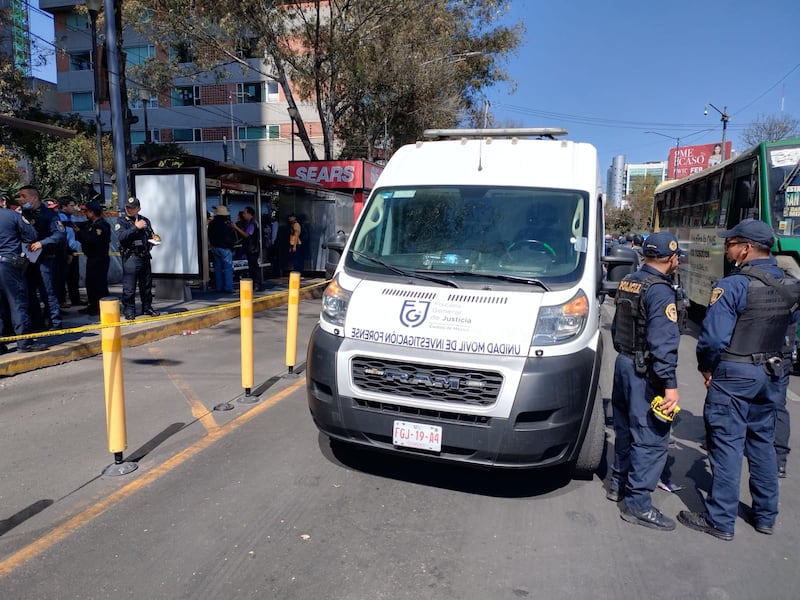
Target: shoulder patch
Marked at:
671, 312
60, 226
116, 227
716, 294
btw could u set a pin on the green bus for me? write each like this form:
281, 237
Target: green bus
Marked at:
762, 182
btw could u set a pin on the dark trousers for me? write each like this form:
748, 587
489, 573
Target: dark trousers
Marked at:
73, 279
41, 278
740, 420
96, 280
14, 290
136, 271
641, 440
255, 271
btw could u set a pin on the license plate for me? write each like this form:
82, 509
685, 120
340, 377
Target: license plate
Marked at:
417, 435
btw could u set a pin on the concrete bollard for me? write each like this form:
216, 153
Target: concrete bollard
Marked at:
293, 303
111, 340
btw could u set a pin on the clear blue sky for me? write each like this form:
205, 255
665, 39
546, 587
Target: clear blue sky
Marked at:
609, 71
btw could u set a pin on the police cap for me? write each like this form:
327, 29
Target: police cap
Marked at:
660, 244
95, 208
132, 203
750, 229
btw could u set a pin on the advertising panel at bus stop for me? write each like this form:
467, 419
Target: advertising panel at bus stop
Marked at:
357, 176
686, 160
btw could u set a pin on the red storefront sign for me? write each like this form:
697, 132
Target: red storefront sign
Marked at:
356, 175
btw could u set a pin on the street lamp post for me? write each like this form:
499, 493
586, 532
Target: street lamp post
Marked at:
144, 96
293, 113
677, 147
242, 147
724, 117
93, 6
233, 134
224, 149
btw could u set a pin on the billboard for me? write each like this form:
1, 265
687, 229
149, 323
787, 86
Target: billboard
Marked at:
686, 160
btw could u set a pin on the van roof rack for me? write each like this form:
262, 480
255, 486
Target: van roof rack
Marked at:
543, 132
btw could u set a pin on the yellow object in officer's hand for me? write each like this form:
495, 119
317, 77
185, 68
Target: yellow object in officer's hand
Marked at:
667, 417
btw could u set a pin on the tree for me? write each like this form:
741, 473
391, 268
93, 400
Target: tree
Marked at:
378, 71
640, 202
768, 128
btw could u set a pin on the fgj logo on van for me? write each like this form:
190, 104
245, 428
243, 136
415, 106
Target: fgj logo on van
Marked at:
414, 312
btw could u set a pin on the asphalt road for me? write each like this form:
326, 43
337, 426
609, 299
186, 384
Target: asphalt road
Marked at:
253, 503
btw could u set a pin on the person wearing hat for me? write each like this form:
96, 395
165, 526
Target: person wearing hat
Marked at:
740, 355
222, 238
95, 238
646, 336
135, 235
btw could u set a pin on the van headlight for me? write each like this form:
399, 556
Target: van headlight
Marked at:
334, 303
558, 324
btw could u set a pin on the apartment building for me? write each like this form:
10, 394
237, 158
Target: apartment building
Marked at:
239, 118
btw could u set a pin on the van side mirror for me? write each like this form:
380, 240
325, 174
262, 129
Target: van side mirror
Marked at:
335, 247
619, 262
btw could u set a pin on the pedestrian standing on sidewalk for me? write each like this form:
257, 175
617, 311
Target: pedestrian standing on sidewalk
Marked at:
740, 355
95, 238
136, 238
15, 231
646, 336
67, 212
249, 234
222, 238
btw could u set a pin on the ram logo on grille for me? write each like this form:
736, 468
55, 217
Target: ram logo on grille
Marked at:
424, 379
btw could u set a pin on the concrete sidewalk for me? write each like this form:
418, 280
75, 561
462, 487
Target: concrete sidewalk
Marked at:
80, 336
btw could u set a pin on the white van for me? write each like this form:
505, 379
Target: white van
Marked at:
462, 322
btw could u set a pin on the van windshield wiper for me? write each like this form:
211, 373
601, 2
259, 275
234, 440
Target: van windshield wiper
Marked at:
403, 272
501, 277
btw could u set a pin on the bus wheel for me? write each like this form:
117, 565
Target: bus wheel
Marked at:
593, 444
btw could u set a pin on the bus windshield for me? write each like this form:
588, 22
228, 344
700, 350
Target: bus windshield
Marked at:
784, 189
500, 232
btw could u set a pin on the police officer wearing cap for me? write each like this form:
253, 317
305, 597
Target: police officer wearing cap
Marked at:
95, 238
15, 231
739, 353
646, 336
135, 233
51, 240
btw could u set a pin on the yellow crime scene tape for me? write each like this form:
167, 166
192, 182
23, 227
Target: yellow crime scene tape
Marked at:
145, 320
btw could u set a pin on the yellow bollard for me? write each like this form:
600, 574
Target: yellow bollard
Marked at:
246, 319
291, 321
111, 341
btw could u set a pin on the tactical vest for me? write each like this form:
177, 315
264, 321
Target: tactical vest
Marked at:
771, 302
631, 326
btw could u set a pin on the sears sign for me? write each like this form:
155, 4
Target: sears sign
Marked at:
349, 174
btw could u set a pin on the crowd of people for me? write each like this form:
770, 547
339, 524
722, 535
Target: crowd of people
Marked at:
743, 357
40, 246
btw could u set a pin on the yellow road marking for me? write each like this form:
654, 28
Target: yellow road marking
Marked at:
63, 531
199, 410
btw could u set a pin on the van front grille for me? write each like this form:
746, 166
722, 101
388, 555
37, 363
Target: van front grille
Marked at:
427, 382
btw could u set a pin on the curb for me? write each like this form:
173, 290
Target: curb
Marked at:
15, 363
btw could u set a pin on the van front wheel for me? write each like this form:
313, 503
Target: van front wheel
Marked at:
593, 444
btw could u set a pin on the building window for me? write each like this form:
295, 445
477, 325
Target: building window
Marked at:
259, 132
250, 92
273, 91
138, 55
80, 61
82, 101
187, 135
134, 102
77, 21
139, 137
183, 52
186, 96
247, 48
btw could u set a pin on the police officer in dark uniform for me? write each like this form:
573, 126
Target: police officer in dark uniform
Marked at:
95, 237
15, 231
646, 336
739, 353
51, 239
135, 233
